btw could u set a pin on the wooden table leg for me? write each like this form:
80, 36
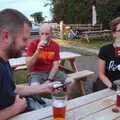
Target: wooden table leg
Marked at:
73, 65
82, 87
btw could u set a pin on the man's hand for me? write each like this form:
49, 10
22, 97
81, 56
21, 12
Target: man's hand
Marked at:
40, 45
20, 104
49, 87
107, 83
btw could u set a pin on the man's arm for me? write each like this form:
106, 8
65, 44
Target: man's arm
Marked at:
25, 90
54, 69
19, 106
32, 60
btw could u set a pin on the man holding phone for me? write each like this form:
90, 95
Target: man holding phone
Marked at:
44, 57
14, 34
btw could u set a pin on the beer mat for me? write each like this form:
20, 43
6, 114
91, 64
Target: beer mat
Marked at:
108, 101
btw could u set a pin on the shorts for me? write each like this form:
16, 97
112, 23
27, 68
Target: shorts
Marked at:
41, 77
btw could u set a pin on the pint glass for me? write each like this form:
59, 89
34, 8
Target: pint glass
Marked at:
117, 51
118, 96
59, 107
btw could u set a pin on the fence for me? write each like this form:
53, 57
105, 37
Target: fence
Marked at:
56, 31
61, 31
86, 27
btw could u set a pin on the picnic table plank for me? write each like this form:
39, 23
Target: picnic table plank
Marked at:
89, 109
46, 113
94, 107
106, 114
20, 63
35, 115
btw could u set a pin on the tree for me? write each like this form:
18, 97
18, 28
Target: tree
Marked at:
107, 10
80, 11
38, 17
71, 11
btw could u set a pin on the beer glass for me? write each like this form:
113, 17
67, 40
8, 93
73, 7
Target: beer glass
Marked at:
59, 106
118, 96
117, 51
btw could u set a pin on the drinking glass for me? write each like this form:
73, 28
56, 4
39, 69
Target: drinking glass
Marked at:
118, 96
59, 106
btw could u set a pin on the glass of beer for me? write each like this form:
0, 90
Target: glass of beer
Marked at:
117, 51
59, 106
118, 96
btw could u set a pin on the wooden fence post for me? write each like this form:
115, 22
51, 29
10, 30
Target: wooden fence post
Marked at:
61, 30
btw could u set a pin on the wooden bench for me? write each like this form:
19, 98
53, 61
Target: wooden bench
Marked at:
77, 87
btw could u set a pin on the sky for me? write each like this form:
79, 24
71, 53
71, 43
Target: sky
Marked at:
27, 7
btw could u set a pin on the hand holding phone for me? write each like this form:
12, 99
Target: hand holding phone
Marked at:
59, 85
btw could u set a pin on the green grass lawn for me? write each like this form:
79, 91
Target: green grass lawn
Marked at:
21, 76
95, 43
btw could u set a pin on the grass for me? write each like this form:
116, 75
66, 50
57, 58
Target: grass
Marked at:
95, 43
21, 77
84, 53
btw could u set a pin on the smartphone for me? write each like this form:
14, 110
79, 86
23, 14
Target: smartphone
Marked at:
58, 85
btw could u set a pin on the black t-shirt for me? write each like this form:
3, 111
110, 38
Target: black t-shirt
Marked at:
7, 86
112, 67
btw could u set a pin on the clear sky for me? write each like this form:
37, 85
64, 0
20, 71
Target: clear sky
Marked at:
27, 7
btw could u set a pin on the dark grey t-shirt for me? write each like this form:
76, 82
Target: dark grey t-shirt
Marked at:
7, 86
112, 68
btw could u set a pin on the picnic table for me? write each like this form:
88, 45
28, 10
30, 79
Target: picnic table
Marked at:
95, 106
20, 63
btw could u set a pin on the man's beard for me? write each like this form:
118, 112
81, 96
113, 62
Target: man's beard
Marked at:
12, 52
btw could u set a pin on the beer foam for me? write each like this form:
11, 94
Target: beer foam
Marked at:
58, 104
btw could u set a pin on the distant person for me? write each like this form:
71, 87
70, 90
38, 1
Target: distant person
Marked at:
109, 59
44, 57
71, 34
14, 34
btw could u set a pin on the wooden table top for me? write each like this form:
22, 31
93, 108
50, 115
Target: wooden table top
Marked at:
95, 106
22, 60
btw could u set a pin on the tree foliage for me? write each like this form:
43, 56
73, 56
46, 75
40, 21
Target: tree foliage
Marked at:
80, 11
107, 10
71, 11
37, 17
